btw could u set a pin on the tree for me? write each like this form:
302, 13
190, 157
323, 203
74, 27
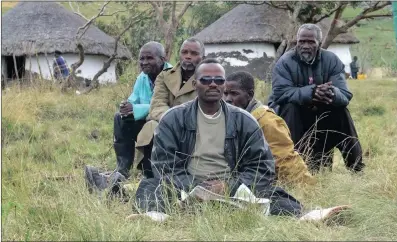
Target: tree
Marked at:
129, 22
335, 29
168, 20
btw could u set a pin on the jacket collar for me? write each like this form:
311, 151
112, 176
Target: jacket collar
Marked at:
191, 118
174, 83
252, 105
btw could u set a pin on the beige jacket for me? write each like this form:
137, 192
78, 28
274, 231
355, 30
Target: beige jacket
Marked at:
166, 94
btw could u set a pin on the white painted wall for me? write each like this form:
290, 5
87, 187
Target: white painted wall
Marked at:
257, 48
91, 65
3, 66
343, 52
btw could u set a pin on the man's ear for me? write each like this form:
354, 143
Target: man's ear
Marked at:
251, 93
194, 83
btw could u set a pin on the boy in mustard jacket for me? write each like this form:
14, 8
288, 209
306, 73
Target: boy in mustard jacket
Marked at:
290, 167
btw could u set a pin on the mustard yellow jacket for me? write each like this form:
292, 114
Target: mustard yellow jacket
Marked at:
290, 167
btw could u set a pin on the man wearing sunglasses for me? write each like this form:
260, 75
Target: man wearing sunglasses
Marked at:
210, 143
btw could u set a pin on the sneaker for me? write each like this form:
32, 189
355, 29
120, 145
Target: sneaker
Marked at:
324, 214
155, 216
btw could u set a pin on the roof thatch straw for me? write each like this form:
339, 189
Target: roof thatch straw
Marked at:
43, 27
257, 23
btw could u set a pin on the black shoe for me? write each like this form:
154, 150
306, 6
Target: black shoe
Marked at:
94, 179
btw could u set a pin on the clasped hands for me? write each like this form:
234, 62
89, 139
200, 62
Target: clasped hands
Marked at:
125, 108
324, 93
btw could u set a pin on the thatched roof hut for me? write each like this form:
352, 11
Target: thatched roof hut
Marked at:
246, 38
257, 23
48, 26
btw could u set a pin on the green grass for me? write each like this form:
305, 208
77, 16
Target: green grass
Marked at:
46, 134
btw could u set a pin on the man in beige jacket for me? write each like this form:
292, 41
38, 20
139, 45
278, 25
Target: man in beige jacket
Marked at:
173, 87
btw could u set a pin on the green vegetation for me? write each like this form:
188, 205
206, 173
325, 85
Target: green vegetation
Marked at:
46, 135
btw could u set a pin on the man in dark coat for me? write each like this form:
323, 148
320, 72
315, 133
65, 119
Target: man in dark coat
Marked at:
354, 68
309, 92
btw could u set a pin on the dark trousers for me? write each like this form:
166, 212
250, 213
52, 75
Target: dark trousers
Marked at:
154, 195
316, 133
125, 133
354, 75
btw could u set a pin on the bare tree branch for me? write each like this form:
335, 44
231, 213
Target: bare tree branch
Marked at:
95, 83
159, 12
173, 13
183, 11
327, 15
378, 16
77, 12
85, 27
169, 27
363, 14
116, 12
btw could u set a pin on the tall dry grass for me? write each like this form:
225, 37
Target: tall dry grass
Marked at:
47, 135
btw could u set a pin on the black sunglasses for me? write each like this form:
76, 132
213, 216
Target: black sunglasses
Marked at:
207, 80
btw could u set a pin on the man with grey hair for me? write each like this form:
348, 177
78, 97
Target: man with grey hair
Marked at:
309, 90
132, 115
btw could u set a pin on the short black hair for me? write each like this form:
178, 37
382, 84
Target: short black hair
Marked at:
206, 61
58, 52
245, 80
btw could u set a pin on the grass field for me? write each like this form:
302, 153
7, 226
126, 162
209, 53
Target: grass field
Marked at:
46, 134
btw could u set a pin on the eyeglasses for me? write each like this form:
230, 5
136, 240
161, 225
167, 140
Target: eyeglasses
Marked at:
207, 80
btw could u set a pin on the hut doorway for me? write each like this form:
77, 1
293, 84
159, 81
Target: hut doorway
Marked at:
20, 67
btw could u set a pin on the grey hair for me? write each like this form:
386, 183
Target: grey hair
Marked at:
313, 27
195, 40
156, 46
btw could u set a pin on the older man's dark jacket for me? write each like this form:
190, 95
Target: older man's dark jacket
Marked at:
246, 150
294, 80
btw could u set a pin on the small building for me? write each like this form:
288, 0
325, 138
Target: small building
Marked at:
247, 37
32, 31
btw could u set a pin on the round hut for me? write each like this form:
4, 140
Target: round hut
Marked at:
247, 37
32, 31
